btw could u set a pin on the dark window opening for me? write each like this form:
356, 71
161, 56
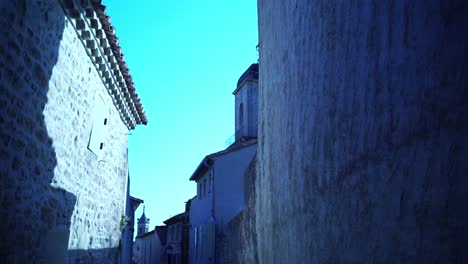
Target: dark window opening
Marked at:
105, 121
199, 191
241, 115
204, 187
101, 145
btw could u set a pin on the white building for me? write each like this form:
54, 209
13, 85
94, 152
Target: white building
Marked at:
149, 248
220, 176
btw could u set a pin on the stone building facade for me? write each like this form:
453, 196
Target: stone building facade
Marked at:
68, 103
149, 248
362, 132
178, 237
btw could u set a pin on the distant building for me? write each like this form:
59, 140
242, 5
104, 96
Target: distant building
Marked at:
164, 244
142, 229
178, 237
143, 224
128, 231
68, 103
161, 232
150, 248
220, 176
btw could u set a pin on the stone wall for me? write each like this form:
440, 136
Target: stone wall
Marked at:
362, 132
237, 243
58, 201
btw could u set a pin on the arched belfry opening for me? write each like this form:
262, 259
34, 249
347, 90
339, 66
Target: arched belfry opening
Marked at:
241, 115
246, 104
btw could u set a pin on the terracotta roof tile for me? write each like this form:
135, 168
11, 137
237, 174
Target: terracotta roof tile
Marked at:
117, 52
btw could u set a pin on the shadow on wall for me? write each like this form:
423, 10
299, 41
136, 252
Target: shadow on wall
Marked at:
36, 217
32, 211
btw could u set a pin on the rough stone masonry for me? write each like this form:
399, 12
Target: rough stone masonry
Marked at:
59, 201
362, 154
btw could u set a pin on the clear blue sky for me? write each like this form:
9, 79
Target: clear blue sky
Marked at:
185, 58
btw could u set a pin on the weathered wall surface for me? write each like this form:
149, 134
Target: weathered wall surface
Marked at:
99, 185
57, 201
238, 241
362, 132
150, 249
229, 184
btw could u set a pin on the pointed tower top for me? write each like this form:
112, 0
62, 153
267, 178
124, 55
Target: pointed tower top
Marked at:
143, 219
143, 224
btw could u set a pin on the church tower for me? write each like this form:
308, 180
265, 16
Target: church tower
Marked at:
246, 106
143, 224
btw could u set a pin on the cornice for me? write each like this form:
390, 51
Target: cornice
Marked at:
98, 37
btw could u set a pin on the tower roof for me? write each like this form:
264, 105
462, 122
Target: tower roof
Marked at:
143, 219
251, 74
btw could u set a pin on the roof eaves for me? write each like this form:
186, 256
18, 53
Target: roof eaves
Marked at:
98, 36
233, 148
147, 234
251, 74
117, 51
175, 219
136, 199
201, 169
207, 161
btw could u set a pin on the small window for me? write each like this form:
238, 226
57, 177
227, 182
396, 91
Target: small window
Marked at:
99, 129
210, 182
172, 233
196, 241
180, 232
199, 190
204, 187
201, 239
241, 115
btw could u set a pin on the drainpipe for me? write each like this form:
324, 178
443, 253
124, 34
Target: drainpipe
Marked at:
212, 218
213, 212
212, 192
208, 165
